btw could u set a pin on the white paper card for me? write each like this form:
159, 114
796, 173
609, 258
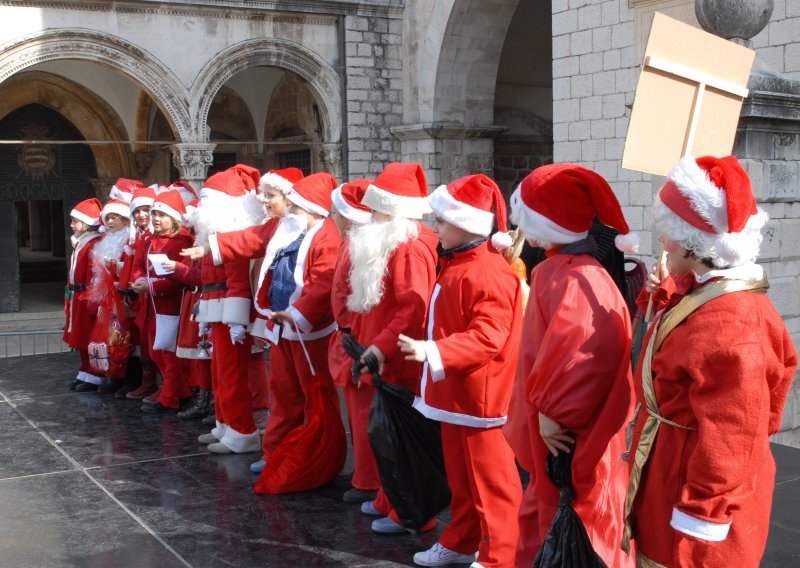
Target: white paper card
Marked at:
158, 260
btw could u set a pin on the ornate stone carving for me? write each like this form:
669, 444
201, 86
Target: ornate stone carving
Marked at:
330, 157
192, 161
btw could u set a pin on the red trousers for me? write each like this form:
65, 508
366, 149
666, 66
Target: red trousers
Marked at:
175, 385
233, 401
486, 490
200, 373
259, 381
365, 470
290, 386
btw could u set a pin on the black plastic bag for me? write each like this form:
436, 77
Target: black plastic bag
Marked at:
407, 448
567, 544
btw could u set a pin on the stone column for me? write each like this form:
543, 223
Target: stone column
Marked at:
447, 151
192, 161
330, 158
101, 187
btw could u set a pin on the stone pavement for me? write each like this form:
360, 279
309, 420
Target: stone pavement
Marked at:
87, 480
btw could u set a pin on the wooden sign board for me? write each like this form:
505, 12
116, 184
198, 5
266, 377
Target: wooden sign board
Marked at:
688, 99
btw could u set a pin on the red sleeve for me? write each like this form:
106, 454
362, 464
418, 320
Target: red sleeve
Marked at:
411, 275
237, 301
314, 304
248, 243
661, 297
167, 286
187, 272
140, 260
587, 337
490, 309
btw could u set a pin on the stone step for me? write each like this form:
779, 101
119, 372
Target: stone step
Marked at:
22, 321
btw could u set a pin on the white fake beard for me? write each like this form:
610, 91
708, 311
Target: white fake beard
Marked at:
371, 246
220, 213
111, 245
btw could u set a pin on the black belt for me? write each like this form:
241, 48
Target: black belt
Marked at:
214, 287
77, 287
346, 330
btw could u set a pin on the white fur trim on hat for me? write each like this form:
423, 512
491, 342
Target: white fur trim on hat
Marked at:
120, 209
167, 210
464, 216
306, 204
538, 227
84, 218
274, 180
627, 243
357, 216
140, 202
388, 203
705, 198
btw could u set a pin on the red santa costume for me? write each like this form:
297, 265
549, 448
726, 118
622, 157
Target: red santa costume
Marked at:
393, 270
78, 312
574, 361
347, 202
305, 260
712, 382
473, 330
228, 202
163, 298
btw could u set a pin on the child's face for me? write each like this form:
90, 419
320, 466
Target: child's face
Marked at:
115, 222
451, 236
677, 262
78, 227
162, 223
141, 215
275, 203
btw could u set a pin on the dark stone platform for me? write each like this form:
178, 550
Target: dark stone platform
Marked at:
87, 480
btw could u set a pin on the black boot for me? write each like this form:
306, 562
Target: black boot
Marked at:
211, 419
110, 386
199, 408
133, 377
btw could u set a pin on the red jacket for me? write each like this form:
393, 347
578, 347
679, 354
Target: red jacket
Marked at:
402, 309
165, 292
79, 313
225, 292
574, 367
724, 372
310, 304
474, 324
187, 273
339, 363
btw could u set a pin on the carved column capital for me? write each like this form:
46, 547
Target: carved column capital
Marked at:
192, 161
330, 157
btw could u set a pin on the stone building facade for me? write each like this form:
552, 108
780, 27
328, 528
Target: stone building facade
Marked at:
159, 89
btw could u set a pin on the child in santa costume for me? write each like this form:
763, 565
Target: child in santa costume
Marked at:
348, 212
228, 202
573, 377
393, 270
712, 381
80, 314
470, 356
162, 296
292, 297
109, 257
137, 385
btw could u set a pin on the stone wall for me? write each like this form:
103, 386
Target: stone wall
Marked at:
373, 70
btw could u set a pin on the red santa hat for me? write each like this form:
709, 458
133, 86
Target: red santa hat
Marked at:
124, 188
400, 190
170, 203
282, 180
347, 198
88, 212
188, 193
142, 197
313, 193
558, 202
707, 205
468, 202
236, 181
117, 206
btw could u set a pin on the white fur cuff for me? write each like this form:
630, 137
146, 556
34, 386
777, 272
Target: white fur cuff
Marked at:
712, 532
434, 361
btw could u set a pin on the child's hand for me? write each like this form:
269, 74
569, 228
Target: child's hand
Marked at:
657, 275
555, 437
140, 286
414, 350
194, 253
169, 265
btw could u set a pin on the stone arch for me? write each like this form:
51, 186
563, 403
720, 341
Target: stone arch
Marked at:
90, 115
469, 58
321, 78
142, 67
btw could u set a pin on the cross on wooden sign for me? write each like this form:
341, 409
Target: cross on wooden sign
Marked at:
688, 98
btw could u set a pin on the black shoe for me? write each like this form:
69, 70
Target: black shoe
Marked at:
157, 408
200, 407
210, 420
74, 384
354, 495
111, 386
86, 387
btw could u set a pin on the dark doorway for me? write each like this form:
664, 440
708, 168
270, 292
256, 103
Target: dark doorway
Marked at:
44, 172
